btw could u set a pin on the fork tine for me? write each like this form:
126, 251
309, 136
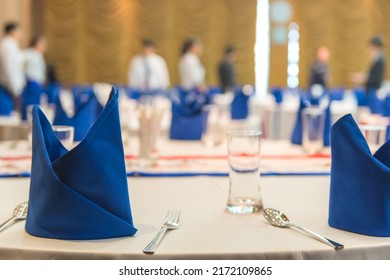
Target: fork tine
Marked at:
177, 217
168, 216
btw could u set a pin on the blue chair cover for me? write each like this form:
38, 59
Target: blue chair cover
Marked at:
296, 136
360, 94
239, 105
31, 95
386, 107
187, 117
360, 186
82, 193
374, 103
53, 92
336, 94
85, 115
6, 102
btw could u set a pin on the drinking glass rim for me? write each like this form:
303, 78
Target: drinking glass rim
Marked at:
313, 110
61, 128
372, 127
244, 133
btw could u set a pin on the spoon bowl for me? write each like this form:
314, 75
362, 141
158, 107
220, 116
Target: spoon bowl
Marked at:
279, 219
19, 213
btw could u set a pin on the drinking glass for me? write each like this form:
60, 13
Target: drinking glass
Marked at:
244, 172
375, 135
150, 114
213, 126
65, 134
313, 121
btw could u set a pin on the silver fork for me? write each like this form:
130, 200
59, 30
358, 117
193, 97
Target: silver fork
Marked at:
172, 221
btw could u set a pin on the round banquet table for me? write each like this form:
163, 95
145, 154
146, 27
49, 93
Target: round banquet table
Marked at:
207, 231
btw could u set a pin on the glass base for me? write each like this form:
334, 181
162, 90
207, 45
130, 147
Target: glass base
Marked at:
244, 206
147, 162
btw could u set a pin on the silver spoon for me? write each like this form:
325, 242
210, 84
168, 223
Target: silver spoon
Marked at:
20, 213
278, 219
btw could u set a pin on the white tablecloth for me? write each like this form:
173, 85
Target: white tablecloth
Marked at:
206, 232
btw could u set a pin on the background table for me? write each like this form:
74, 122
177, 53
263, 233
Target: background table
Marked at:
206, 232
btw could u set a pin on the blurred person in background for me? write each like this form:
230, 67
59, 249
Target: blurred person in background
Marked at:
319, 70
35, 71
35, 61
12, 76
148, 70
226, 72
191, 70
378, 64
372, 80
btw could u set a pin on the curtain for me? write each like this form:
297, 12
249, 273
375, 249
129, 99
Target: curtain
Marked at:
94, 40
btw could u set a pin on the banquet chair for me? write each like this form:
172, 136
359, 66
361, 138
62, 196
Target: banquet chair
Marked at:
6, 102
31, 95
187, 122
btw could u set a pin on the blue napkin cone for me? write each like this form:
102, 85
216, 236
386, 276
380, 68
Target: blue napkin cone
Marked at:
82, 193
360, 182
296, 136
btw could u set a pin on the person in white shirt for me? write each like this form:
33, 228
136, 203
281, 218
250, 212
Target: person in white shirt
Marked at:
191, 70
12, 75
148, 71
35, 61
35, 71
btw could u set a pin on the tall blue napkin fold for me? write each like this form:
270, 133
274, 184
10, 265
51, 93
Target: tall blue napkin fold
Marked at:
360, 182
239, 106
31, 95
86, 112
296, 136
187, 116
277, 92
82, 193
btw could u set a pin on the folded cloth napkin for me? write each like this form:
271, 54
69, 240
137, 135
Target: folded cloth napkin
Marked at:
81, 193
360, 182
239, 106
85, 114
6, 102
296, 137
52, 91
31, 95
277, 92
187, 117
374, 103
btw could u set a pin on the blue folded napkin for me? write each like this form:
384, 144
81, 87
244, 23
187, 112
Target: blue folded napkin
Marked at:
52, 91
6, 102
86, 112
277, 92
187, 116
296, 137
81, 193
360, 182
239, 106
31, 95
374, 103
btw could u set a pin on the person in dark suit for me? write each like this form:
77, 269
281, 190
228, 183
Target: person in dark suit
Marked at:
226, 70
378, 65
319, 70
